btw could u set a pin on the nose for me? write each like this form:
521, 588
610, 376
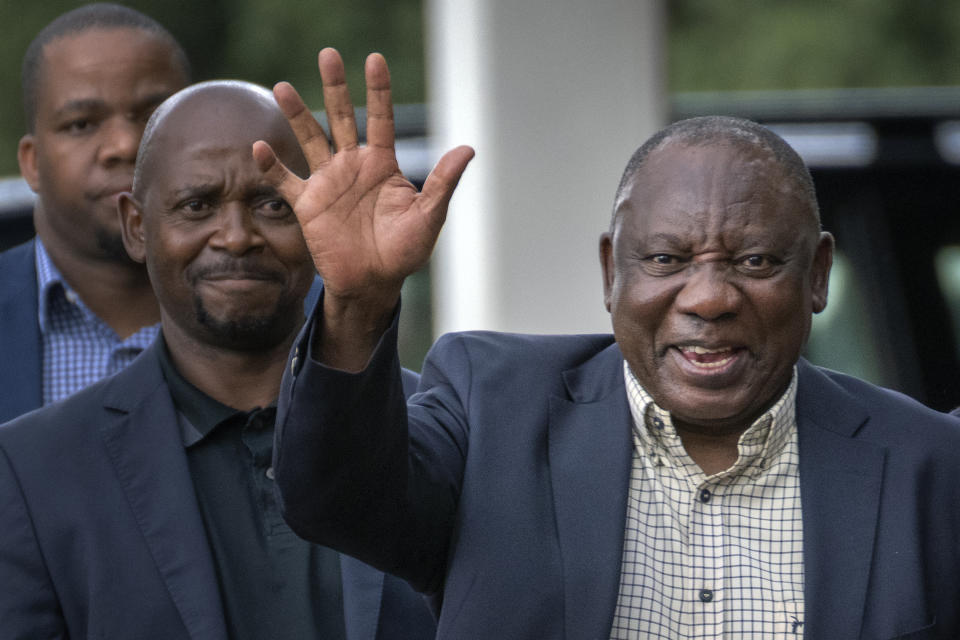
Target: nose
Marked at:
121, 138
237, 231
708, 293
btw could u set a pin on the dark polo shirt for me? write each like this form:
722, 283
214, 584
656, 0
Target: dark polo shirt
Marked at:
272, 583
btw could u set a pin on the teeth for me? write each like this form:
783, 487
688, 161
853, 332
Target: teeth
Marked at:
711, 365
704, 350
700, 357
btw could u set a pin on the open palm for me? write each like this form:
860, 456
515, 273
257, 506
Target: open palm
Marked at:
367, 227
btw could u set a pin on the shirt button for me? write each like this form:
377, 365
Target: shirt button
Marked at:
270, 474
658, 423
705, 495
706, 595
71, 296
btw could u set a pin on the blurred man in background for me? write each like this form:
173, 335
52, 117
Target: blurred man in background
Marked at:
73, 306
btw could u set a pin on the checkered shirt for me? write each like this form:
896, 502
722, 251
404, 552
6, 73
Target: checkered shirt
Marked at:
78, 347
717, 556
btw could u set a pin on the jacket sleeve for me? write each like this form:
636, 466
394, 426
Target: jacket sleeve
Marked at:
29, 607
355, 475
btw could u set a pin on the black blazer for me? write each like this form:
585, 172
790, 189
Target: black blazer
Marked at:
102, 536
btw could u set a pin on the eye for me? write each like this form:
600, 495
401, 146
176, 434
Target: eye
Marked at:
662, 264
274, 208
194, 207
143, 115
78, 126
757, 264
663, 258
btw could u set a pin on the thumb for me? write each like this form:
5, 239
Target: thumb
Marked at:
439, 186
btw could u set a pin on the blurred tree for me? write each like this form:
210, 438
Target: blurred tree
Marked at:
737, 44
247, 39
794, 44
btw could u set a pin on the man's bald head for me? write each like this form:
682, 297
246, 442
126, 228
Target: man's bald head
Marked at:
223, 249
230, 110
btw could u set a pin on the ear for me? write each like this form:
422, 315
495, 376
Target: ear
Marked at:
606, 265
820, 272
131, 227
27, 158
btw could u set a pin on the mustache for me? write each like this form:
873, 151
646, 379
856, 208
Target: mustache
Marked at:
235, 269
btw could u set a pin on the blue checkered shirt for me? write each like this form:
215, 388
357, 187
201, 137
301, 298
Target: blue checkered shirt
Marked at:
78, 347
717, 556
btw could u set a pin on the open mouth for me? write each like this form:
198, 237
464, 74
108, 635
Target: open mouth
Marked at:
709, 359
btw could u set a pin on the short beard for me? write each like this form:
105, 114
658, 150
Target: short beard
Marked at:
249, 333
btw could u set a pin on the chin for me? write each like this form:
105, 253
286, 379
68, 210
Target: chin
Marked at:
242, 332
694, 408
240, 336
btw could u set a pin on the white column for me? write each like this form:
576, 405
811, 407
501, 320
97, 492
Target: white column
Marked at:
554, 95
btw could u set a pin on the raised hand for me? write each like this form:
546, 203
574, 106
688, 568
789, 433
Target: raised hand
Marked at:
366, 225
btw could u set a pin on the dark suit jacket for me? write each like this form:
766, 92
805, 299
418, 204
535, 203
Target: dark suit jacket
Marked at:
102, 536
502, 487
21, 352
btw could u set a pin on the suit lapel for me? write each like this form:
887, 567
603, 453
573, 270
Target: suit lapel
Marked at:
362, 592
590, 453
20, 366
144, 445
840, 483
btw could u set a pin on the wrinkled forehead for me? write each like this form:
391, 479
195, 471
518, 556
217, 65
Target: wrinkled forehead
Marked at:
687, 174
214, 119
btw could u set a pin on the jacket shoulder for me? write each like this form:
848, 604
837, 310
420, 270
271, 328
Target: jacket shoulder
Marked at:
529, 351
55, 422
19, 254
75, 419
894, 419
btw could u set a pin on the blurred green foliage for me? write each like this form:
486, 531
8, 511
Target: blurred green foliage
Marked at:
729, 45
805, 44
263, 42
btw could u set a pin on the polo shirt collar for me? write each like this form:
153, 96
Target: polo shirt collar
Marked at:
201, 413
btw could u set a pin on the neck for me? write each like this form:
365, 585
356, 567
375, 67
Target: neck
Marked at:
117, 291
713, 451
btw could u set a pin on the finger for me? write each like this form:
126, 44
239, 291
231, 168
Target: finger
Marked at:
287, 184
336, 100
313, 141
380, 128
442, 181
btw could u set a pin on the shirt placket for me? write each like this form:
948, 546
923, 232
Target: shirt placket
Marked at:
703, 593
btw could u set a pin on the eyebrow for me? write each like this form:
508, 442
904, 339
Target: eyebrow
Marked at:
85, 105
665, 238
80, 105
206, 189
199, 190
262, 190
